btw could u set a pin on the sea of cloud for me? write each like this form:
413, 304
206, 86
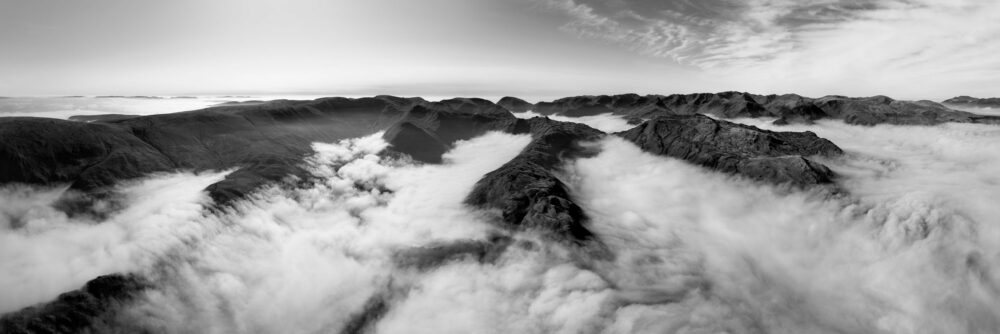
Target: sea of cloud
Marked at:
308, 260
909, 244
43, 252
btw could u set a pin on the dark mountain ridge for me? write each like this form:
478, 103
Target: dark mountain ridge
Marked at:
787, 108
968, 101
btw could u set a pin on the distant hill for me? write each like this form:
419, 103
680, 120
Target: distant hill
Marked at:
968, 101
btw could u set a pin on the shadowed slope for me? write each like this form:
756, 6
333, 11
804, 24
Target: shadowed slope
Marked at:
84, 310
525, 190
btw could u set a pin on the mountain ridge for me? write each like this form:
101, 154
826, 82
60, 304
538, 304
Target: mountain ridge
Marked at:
968, 101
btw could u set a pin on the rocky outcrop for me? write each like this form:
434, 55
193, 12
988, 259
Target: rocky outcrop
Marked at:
515, 104
777, 157
968, 101
89, 309
526, 191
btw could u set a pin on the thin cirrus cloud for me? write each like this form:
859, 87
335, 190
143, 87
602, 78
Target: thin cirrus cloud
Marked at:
849, 46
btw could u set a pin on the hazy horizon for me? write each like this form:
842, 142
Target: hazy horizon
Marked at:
527, 48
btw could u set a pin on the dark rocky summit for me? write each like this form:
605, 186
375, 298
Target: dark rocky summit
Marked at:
968, 101
89, 309
526, 190
787, 108
777, 157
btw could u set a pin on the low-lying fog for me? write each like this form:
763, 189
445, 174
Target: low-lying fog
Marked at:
914, 246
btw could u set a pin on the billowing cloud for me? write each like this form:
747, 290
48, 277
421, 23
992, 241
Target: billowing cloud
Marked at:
43, 252
911, 250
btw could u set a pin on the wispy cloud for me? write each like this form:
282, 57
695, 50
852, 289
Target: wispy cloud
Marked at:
889, 42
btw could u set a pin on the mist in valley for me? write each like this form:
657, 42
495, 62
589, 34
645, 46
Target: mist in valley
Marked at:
901, 244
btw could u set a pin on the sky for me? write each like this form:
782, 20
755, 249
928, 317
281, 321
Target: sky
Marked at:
536, 49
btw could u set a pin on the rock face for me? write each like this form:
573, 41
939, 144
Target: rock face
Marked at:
78, 311
968, 101
777, 157
787, 108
